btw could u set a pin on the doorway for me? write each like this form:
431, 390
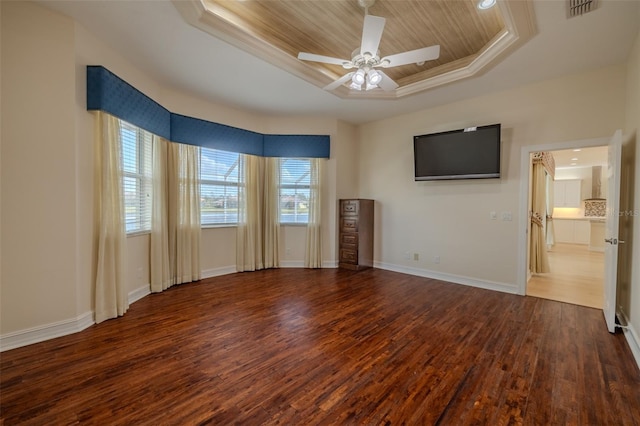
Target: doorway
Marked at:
565, 257
574, 235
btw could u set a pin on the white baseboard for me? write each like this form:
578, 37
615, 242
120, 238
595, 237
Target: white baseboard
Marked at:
456, 279
216, 272
41, 333
632, 337
292, 264
330, 264
209, 273
44, 332
300, 264
139, 293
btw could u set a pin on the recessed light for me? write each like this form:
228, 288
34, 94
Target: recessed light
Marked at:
574, 159
577, 150
486, 4
574, 164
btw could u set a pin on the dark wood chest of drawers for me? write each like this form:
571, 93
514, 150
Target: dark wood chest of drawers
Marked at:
356, 233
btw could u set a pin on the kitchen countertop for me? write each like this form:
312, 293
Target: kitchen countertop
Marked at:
590, 219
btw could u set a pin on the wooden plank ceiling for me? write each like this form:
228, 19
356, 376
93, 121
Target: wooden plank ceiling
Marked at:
334, 28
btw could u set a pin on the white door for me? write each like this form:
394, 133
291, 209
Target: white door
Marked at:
611, 232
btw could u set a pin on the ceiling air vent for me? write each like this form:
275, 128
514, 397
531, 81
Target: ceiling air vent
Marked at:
580, 7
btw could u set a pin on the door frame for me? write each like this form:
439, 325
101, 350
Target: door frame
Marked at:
523, 208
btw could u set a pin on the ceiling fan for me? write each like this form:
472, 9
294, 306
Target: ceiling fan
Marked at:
366, 58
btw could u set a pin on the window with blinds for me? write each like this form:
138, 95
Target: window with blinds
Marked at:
218, 187
137, 178
294, 190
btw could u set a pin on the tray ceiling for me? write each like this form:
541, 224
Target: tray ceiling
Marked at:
470, 39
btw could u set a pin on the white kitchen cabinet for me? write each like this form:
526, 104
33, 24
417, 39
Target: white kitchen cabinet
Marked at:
563, 230
566, 193
581, 231
572, 231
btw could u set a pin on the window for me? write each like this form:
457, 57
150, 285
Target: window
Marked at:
294, 190
218, 186
136, 180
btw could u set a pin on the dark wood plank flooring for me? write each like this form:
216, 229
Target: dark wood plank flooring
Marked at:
295, 346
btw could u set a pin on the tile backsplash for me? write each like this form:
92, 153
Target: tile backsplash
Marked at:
595, 208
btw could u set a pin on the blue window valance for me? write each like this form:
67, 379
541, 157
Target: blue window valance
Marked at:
108, 92
213, 135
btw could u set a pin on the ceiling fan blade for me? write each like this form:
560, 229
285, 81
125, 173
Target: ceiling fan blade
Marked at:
412, 56
387, 84
319, 58
371, 34
339, 82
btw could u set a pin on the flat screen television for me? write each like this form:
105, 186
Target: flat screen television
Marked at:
471, 153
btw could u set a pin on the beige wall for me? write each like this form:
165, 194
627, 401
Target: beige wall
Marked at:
347, 161
217, 250
629, 295
38, 168
451, 219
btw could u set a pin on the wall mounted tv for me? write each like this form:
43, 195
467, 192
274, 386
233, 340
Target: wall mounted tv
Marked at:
471, 153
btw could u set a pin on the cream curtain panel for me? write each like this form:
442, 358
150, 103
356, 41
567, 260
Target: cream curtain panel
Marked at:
539, 262
313, 253
258, 231
111, 296
249, 232
187, 158
175, 219
161, 269
549, 230
271, 208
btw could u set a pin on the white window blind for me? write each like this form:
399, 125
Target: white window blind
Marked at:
136, 180
218, 187
294, 190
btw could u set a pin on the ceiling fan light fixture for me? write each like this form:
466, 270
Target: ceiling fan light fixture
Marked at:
486, 4
367, 56
373, 77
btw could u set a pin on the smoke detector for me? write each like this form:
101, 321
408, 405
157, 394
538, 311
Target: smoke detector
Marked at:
580, 7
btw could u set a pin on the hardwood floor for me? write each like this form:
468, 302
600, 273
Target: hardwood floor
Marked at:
296, 346
577, 276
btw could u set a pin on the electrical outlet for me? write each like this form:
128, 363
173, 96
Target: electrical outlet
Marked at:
506, 216
407, 255
493, 215
288, 251
416, 256
436, 259
140, 273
